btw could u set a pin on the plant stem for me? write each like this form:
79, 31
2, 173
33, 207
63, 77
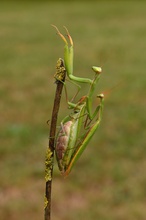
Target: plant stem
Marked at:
50, 151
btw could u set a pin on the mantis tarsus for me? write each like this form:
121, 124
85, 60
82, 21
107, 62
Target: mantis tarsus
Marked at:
69, 142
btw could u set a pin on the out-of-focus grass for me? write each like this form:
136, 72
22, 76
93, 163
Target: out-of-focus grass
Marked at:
108, 182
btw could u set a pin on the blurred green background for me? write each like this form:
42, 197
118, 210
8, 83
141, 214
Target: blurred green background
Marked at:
109, 180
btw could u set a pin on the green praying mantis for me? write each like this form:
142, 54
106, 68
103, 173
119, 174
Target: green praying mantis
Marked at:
70, 140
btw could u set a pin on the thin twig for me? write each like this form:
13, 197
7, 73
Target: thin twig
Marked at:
60, 78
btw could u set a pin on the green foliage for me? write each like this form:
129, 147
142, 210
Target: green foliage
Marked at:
108, 182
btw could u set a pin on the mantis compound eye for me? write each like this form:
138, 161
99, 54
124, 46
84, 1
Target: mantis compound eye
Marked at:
97, 69
101, 96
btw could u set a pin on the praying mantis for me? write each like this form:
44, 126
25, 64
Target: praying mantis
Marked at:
70, 143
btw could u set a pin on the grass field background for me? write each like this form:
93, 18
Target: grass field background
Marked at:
109, 180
